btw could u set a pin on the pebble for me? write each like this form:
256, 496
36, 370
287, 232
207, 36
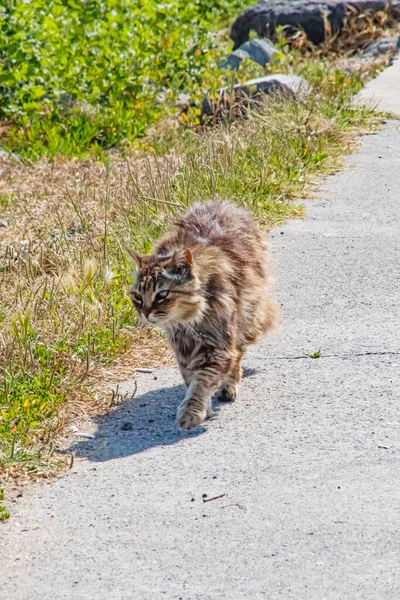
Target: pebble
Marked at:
3, 223
127, 426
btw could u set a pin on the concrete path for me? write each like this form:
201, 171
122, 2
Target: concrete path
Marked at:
384, 91
308, 457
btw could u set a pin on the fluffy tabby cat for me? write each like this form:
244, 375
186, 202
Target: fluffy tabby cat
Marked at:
205, 284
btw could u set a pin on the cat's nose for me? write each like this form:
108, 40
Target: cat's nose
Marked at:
146, 312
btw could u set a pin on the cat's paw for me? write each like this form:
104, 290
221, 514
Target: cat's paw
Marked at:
191, 415
227, 394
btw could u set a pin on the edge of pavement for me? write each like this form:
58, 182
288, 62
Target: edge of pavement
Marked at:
381, 91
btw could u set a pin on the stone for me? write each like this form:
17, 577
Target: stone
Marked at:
7, 155
127, 426
249, 95
3, 223
279, 81
183, 101
309, 15
382, 46
260, 50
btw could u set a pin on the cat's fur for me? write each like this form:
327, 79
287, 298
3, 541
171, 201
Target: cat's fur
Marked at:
205, 283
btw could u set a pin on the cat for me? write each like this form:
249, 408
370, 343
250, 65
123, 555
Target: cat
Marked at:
206, 284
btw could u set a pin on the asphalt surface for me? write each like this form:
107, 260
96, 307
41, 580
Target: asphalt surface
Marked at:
308, 457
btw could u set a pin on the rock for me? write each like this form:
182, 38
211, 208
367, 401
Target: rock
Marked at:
382, 46
3, 223
127, 426
309, 15
277, 82
386, 45
249, 95
260, 51
183, 101
8, 155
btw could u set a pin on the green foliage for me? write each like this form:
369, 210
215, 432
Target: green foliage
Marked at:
4, 514
76, 74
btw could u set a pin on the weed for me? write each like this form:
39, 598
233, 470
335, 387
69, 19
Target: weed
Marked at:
4, 514
316, 354
360, 28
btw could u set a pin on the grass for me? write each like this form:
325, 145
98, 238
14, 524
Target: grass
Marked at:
64, 311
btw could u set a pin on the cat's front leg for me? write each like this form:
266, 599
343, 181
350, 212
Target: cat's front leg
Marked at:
196, 406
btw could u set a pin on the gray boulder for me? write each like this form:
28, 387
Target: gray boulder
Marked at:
260, 51
183, 101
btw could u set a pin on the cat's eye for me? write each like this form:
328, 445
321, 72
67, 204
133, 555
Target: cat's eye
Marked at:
161, 296
136, 298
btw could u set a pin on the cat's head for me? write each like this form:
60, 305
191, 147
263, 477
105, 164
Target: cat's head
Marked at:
166, 290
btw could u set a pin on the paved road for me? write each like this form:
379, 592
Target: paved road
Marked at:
308, 457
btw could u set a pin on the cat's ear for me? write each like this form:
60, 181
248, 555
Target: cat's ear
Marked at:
138, 258
182, 258
188, 257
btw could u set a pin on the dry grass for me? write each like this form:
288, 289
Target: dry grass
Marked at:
71, 195
64, 315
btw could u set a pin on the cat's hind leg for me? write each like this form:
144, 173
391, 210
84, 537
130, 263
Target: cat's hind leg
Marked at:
228, 390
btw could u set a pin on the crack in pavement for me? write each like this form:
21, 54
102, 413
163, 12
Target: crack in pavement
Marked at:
343, 356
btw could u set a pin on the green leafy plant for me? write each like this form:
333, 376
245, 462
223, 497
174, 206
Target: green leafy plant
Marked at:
96, 73
316, 354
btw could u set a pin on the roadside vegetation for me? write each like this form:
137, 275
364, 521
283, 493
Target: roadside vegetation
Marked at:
84, 76
93, 74
66, 324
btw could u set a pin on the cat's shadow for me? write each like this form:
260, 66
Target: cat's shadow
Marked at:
138, 424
